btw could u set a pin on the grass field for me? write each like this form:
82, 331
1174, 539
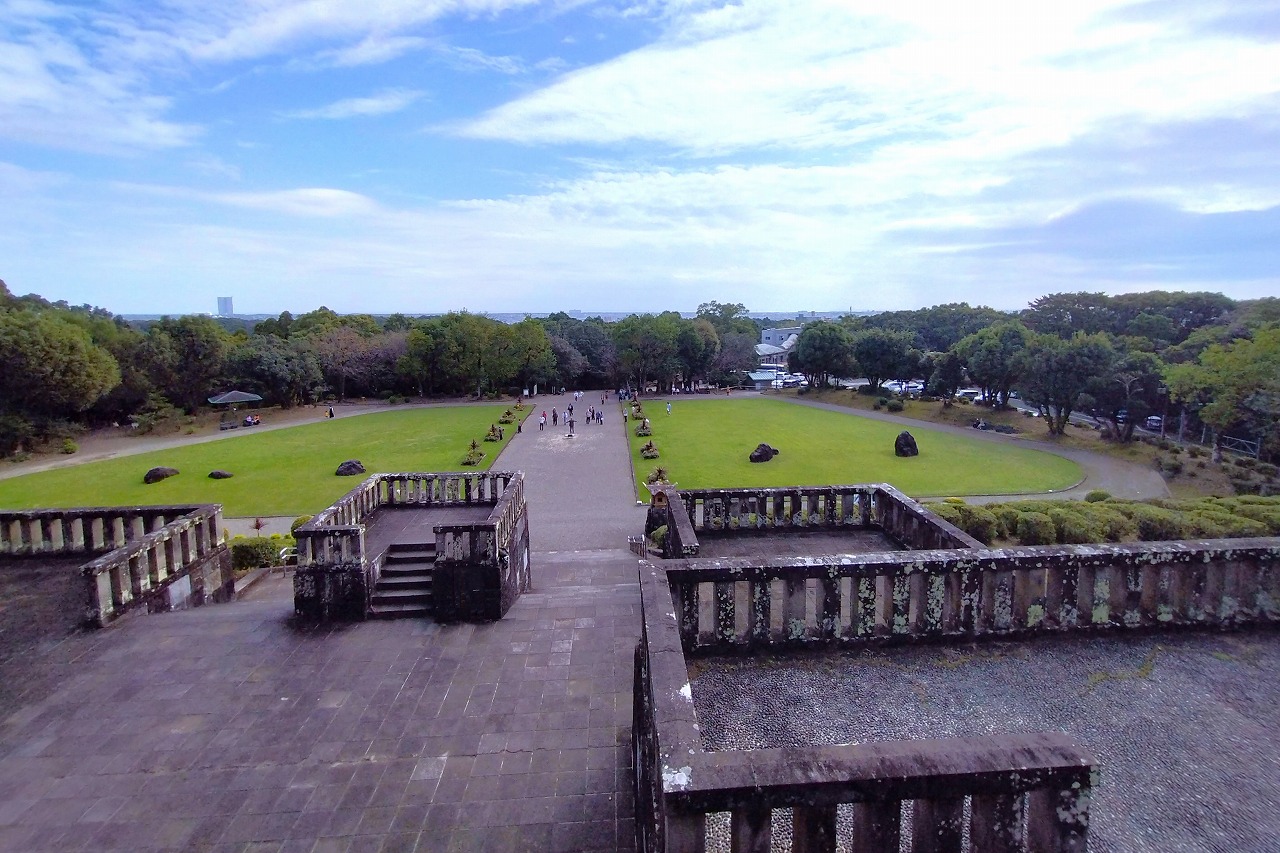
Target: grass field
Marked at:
705, 443
281, 472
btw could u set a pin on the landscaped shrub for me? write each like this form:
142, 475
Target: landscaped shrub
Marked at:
249, 552
658, 475
1072, 528
1156, 524
1171, 467
980, 523
643, 429
950, 512
659, 537
1097, 495
1266, 469
1007, 516
299, 521
395, 399
69, 446
895, 406
882, 401
508, 417
649, 450
1036, 528
1208, 524
1195, 452
474, 454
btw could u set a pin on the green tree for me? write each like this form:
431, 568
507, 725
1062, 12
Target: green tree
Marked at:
947, 376
49, 367
1060, 371
995, 358
344, 355
1237, 385
1132, 386
696, 345
535, 361
185, 358
647, 349
285, 373
727, 317
824, 350
882, 355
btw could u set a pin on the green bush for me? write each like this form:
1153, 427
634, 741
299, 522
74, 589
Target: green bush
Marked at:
1268, 470
1195, 452
951, 512
1097, 495
299, 521
980, 523
1036, 528
895, 406
249, 552
882, 401
1155, 523
659, 537
1246, 461
69, 446
1007, 516
395, 399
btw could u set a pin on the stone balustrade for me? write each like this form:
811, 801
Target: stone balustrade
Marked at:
157, 557
1021, 792
909, 596
477, 576
726, 512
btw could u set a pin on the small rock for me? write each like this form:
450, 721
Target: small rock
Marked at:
155, 475
350, 468
220, 475
905, 445
763, 453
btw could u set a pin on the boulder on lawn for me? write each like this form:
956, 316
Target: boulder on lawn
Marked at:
155, 475
763, 453
905, 444
350, 468
220, 475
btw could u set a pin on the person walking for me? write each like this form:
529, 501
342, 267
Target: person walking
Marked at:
668, 407
331, 412
542, 422
555, 417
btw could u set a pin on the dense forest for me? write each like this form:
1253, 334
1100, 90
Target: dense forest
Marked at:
1215, 360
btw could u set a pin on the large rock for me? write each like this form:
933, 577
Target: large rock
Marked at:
763, 453
905, 444
220, 475
155, 475
350, 468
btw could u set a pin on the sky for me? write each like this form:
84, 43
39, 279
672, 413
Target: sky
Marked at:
635, 155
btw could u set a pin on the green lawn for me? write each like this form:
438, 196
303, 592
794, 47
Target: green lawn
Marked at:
281, 472
705, 443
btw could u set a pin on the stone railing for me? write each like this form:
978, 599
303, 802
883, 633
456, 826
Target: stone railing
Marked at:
158, 557
910, 596
481, 568
1015, 787
726, 512
336, 575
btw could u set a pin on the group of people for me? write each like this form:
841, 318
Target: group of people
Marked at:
594, 415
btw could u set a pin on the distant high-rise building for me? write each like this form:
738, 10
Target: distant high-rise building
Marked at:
224, 306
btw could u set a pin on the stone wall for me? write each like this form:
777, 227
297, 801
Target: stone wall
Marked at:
151, 557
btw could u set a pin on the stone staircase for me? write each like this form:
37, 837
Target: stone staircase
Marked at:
404, 587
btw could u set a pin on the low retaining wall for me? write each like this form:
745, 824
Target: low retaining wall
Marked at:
694, 513
480, 568
152, 557
1018, 786
739, 604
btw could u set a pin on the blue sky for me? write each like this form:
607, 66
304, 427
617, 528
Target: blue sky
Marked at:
632, 155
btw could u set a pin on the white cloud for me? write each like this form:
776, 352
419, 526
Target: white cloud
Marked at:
389, 101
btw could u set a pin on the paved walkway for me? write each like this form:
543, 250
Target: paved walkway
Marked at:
225, 729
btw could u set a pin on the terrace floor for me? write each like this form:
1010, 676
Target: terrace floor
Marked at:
412, 525
794, 543
1183, 725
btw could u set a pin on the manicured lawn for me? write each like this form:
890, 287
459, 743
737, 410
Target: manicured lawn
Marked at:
282, 472
704, 444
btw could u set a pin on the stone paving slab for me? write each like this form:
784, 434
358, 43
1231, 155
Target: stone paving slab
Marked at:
223, 728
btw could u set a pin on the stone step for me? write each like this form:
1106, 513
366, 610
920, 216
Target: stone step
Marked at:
398, 611
407, 556
405, 580
401, 596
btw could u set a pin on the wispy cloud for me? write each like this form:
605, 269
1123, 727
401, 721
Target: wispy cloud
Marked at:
382, 103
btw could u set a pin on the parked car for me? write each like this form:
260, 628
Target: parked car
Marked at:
1153, 423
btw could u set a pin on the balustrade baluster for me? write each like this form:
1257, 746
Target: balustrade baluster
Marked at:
726, 618
829, 608
813, 829
1057, 821
794, 609
686, 832
758, 620
687, 607
751, 830
901, 605
937, 825
877, 827
864, 615
995, 823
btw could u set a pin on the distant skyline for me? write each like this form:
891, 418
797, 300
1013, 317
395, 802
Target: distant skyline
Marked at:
508, 156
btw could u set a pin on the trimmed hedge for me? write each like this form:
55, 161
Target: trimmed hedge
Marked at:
1045, 522
249, 552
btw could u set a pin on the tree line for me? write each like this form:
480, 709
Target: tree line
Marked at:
1209, 359
66, 367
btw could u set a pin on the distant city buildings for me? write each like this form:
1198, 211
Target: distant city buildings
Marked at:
224, 306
